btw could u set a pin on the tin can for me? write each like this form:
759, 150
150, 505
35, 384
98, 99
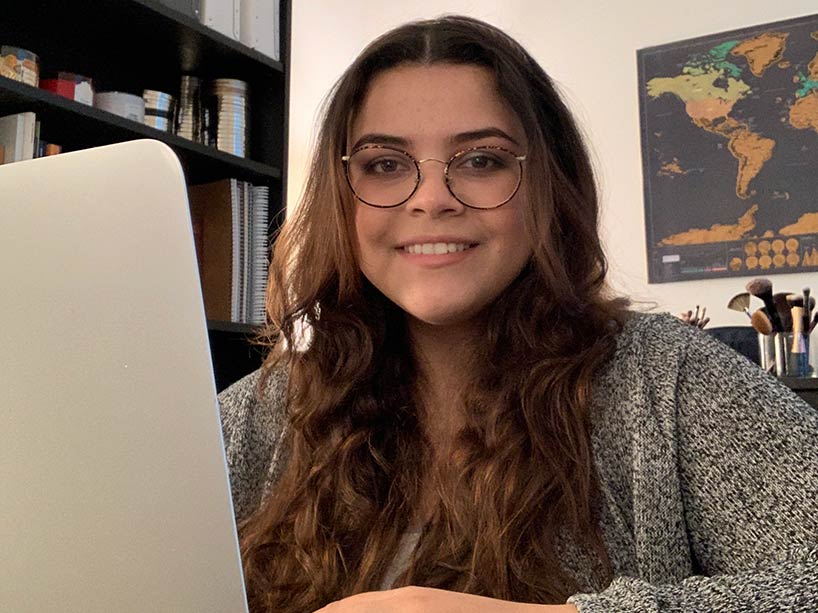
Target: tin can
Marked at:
226, 105
20, 65
158, 110
189, 118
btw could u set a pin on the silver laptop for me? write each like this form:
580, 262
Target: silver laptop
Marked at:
114, 491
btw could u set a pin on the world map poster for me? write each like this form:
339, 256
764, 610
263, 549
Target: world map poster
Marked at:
730, 152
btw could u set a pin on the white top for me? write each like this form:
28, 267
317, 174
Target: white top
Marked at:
400, 562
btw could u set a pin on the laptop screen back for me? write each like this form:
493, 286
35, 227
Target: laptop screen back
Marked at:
113, 486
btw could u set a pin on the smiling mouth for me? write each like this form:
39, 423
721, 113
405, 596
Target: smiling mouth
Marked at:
437, 248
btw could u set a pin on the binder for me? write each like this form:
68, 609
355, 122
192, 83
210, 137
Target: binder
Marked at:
211, 213
224, 16
259, 26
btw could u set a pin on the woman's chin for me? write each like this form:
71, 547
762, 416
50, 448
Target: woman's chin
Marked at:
442, 317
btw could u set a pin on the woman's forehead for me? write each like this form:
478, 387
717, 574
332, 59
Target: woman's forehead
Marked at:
434, 102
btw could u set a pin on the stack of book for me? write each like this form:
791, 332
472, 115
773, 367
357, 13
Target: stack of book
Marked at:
20, 139
232, 216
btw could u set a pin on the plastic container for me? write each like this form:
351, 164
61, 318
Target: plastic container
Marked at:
122, 104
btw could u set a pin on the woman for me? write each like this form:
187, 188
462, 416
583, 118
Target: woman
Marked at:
472, 413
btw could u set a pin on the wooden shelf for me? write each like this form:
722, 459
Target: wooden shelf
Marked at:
139, 37
231, 327
233, 352
800, 383
79, 126
198, 36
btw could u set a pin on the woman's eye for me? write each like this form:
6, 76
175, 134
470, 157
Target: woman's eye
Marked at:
385, 166
480, 161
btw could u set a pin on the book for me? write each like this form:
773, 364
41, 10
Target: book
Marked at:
39, 146
17, 135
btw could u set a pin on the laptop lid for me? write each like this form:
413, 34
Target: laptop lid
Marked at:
114, 491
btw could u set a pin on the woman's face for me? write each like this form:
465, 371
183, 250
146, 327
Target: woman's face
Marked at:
433, 112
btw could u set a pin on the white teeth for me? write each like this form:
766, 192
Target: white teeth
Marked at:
435, 248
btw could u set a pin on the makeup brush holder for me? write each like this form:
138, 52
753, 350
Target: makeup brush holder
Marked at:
777, 355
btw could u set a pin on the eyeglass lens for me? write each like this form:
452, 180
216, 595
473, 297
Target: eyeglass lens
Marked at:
482, 178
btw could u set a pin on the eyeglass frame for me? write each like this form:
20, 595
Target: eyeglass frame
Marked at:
419, 175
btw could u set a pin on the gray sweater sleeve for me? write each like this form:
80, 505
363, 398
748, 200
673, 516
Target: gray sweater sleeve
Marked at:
254, 427
746, 455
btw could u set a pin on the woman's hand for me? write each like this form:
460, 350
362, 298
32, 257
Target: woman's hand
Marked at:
430, 600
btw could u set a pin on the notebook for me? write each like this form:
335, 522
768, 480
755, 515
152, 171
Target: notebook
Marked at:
114, 491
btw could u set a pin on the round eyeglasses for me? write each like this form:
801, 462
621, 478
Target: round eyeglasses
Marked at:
480, 178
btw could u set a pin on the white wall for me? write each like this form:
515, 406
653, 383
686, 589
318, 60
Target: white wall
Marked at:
589, 47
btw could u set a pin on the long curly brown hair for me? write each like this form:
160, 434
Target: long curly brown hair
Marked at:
523, 468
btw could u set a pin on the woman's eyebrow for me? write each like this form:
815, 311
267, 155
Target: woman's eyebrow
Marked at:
464, 137
381, 139
457, 139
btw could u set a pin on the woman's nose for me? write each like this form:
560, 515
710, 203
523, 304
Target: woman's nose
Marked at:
432, 195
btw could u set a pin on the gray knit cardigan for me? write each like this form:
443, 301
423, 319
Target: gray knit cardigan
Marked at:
708, 470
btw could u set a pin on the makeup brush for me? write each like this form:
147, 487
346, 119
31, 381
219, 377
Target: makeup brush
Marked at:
783, 308
703, 321
799, 346
761, 322
799, 300
740, 302
807, 310
763, 289
795, 300
814, 322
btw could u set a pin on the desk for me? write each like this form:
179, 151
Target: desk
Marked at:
806, 387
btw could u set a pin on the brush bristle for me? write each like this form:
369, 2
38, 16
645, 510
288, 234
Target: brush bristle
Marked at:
761, 322
757, 287
739, 302
795, 300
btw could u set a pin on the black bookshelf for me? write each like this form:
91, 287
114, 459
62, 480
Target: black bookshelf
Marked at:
132, 45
